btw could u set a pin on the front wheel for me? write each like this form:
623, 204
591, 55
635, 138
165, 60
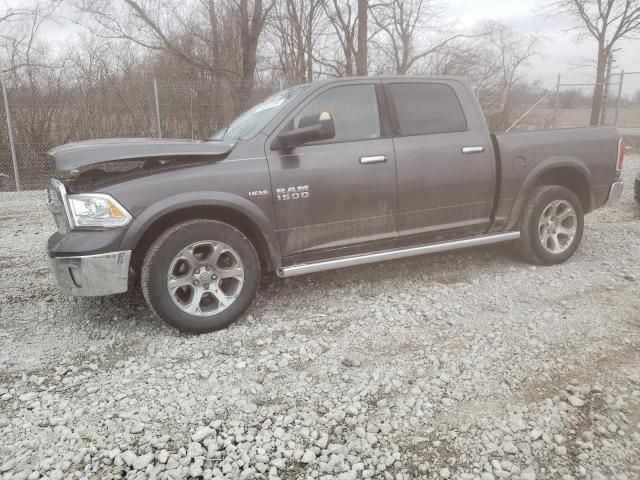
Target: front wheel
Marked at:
200, 276
551, 225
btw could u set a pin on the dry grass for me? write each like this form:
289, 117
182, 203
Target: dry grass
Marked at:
579, 117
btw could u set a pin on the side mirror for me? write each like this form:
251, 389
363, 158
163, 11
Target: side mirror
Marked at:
311, 128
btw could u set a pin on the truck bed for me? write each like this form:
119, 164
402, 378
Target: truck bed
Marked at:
519, 155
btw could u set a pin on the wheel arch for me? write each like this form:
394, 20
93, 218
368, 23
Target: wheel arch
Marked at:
566, 172
231, 209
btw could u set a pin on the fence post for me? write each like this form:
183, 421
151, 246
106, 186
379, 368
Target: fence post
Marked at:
555, 106
12, 143
605, 93
191, 95
157, 98
615, 118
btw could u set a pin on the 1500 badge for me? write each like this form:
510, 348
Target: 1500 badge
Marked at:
292, 193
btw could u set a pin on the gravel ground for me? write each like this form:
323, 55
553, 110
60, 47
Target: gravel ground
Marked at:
469, 365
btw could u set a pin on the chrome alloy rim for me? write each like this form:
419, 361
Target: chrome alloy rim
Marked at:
558, 226
205, 278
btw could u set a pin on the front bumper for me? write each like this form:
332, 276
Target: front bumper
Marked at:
615, 192
92, 275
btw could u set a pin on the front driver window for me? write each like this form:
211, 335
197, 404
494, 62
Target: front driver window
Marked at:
354, 109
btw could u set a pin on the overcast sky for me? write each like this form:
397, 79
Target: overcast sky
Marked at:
561, 52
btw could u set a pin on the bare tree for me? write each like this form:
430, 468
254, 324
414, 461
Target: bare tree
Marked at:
161, 27
7, 13
513, 52
494, 64
296, 26
351, 27
344, 22
252, 22
362, 58
19, 30
205, 34
412, 30
607, 21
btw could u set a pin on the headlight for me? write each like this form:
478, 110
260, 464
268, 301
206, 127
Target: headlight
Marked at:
97, 210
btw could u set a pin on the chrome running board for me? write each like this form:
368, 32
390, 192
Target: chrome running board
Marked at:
352, 260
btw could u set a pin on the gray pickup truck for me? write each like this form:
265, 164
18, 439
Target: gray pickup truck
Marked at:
317, 177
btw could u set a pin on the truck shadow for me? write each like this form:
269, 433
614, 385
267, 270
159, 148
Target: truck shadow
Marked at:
460, 266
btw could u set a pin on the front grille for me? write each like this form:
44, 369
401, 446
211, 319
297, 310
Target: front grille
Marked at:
55, 203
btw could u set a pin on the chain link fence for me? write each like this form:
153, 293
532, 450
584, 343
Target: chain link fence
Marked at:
568, 105
45, 116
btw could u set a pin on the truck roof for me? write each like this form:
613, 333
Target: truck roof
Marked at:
392, 77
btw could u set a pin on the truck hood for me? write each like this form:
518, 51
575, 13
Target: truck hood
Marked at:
81, 154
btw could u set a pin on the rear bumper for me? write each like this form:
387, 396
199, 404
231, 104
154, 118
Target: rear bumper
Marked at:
615, 192
92, 275
636, 189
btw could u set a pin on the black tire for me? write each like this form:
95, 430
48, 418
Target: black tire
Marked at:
530, 244
160, 256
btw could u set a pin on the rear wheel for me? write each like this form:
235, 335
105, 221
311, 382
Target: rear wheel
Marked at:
551, 226
201, 275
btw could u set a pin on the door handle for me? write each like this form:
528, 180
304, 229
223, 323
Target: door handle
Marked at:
373, 159
477, 149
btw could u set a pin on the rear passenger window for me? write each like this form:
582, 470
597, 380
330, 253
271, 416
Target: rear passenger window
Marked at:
425, 108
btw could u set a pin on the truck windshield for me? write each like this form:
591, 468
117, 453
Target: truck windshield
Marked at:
253, 120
